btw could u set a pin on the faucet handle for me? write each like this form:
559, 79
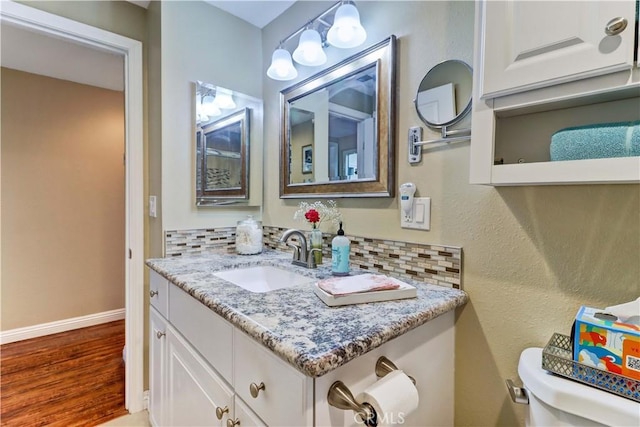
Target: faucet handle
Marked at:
311, 260
296, 251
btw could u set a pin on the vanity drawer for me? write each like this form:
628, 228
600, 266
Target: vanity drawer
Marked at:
159, 293
287, 398
209, 333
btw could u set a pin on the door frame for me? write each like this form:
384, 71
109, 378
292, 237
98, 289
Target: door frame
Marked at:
67, 29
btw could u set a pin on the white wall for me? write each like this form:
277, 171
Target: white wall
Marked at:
202, 42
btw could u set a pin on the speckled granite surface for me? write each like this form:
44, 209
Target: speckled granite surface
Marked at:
293, 322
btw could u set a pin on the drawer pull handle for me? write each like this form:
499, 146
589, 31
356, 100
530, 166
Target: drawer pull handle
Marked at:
221, 411
153, 293
233, 423
255, 389
160, 334
615, 26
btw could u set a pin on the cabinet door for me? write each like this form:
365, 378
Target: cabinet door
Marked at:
245, 416
526, 45
194, 391
157, 367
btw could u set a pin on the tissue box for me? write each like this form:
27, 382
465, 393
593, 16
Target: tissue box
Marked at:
602, 341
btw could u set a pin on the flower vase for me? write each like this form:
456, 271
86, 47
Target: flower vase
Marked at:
316, 242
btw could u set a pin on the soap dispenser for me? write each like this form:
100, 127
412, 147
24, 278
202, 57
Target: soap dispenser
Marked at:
340, 248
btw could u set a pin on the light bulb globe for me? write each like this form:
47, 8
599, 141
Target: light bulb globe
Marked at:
346, 31
281, 67
309, 51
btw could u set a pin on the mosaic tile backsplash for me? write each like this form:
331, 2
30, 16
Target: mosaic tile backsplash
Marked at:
439, 265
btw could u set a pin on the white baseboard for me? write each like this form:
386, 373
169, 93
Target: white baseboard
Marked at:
43, 329
145, 400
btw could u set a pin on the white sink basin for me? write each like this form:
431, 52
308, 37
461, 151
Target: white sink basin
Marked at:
263, 278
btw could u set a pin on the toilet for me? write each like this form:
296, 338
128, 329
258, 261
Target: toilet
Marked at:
557, 401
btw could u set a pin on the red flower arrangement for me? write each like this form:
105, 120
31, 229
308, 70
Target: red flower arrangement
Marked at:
313, 216
318, 212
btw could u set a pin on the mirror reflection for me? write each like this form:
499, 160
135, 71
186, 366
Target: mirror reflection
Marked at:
223, 136
332, 131
337, 138
444, 94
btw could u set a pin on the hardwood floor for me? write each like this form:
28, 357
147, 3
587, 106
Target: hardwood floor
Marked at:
74, 378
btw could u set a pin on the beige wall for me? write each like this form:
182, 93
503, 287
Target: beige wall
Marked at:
202, 42
532, 255
62, 199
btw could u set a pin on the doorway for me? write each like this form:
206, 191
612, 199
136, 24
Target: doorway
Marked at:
133, 251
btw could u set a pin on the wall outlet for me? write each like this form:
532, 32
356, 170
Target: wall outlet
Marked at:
421, 218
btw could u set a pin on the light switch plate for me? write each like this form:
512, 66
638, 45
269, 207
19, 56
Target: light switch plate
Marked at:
152, 207
421, 215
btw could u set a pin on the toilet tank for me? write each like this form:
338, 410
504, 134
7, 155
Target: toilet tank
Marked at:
557, 401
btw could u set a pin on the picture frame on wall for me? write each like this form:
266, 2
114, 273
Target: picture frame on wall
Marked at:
307, 159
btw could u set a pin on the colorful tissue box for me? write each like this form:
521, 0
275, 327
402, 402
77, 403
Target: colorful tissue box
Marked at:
602, 341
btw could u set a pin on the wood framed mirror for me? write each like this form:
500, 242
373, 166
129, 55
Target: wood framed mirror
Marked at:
337, 129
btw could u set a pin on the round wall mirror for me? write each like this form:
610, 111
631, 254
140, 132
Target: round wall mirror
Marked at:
444, 94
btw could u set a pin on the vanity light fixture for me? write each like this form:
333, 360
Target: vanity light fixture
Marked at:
346, 32
209, 107
224, 99
309, 51
281, 66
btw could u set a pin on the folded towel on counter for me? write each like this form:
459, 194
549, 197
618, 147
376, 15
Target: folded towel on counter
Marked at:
596, 141
358, 284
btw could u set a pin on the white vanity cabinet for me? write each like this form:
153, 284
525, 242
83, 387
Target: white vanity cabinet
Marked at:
191, 365
201, 364
540, 67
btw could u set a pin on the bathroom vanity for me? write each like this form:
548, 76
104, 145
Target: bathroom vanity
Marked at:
222, 355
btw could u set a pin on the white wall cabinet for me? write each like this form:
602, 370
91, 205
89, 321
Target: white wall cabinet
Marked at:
527, 45
206, 364
540, 67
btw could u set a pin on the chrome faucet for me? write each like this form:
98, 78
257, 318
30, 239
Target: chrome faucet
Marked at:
301, 256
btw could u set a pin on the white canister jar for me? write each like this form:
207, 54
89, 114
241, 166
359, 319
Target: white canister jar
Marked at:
249, 236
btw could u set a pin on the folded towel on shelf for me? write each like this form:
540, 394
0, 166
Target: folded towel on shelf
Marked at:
358, 284
596, 141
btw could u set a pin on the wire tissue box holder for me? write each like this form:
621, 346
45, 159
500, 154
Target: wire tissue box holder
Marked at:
557, 357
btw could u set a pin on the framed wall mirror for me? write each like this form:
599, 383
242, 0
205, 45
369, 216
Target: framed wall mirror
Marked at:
337, 129
223, 144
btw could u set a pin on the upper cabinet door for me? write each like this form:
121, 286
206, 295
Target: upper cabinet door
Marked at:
531, 44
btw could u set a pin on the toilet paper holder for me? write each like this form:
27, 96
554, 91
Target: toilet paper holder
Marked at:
340, 396
385, 366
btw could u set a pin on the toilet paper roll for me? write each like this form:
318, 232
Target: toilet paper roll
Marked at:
393, 397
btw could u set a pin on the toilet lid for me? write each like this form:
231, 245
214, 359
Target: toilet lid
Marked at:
573, 397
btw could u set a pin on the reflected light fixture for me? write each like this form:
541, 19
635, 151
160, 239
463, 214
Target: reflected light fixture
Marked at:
224, 99
309, 51
281, 66
346, 32
209, 107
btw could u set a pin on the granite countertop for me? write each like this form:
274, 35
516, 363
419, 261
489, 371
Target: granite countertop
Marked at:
293, 322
